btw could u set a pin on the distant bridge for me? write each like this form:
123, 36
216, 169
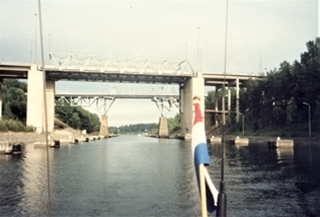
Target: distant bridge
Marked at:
166, 98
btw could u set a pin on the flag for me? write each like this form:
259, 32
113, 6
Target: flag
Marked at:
201, 156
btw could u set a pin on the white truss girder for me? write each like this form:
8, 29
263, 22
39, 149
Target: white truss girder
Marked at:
165, 97
100, 104
166, 104
135, 65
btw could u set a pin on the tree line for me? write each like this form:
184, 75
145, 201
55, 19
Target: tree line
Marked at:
77, 117
278, 103
149, 128
14, 104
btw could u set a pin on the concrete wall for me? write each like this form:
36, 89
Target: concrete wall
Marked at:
192, 87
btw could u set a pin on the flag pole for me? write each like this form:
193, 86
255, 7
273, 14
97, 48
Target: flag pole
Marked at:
222, 197
203, 196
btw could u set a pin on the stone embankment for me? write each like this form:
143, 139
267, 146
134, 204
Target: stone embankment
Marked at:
30, 138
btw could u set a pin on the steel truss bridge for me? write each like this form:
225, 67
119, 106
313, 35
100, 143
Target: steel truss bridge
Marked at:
166, 98
78, 67
117, 69
83, 67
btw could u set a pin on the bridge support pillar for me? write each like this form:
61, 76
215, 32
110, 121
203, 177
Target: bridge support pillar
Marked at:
104, 125
35, 100
163, 128
192, 87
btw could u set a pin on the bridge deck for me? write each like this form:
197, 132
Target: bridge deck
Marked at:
132, 75
115, 77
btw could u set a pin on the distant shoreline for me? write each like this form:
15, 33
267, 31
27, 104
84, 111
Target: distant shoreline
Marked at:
31, 137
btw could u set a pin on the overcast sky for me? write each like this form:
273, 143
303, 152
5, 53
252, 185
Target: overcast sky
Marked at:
261, 35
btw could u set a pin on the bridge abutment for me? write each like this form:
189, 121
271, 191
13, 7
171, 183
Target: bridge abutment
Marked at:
192, 87
104, 125
35, 100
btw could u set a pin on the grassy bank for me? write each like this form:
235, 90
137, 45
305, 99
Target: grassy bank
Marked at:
14, 126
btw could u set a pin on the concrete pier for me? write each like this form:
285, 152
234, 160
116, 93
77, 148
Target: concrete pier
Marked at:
163, 128
289, 143
215, 140
52, 144
66, 141
192, 87
83, 139
187, 137
5, 148
104, 125
240, 141
10, 148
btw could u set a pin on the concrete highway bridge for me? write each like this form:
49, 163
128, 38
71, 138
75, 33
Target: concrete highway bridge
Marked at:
71, 67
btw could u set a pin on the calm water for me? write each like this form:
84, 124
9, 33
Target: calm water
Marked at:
140, 176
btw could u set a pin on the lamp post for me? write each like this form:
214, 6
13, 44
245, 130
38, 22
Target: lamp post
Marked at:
35, 38
260, 62
186, 50
49, 43
198, 51
309, 108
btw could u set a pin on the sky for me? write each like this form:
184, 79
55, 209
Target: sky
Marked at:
261, 35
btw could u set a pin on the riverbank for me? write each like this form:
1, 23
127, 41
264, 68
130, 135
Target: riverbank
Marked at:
314, 141
67, 133
29, 138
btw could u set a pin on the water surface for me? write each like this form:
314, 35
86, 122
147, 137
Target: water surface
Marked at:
141, 176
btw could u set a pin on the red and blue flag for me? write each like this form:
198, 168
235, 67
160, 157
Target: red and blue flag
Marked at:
201, 156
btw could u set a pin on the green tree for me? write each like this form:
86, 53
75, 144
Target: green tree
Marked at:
75, 121
77, 117
14, 99
174, 124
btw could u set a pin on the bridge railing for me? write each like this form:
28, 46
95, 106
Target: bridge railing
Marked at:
113, 64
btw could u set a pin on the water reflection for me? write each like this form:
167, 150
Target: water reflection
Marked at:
139, 176
284, 180
285, 154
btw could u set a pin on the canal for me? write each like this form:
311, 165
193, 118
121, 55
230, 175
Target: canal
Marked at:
142, 176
